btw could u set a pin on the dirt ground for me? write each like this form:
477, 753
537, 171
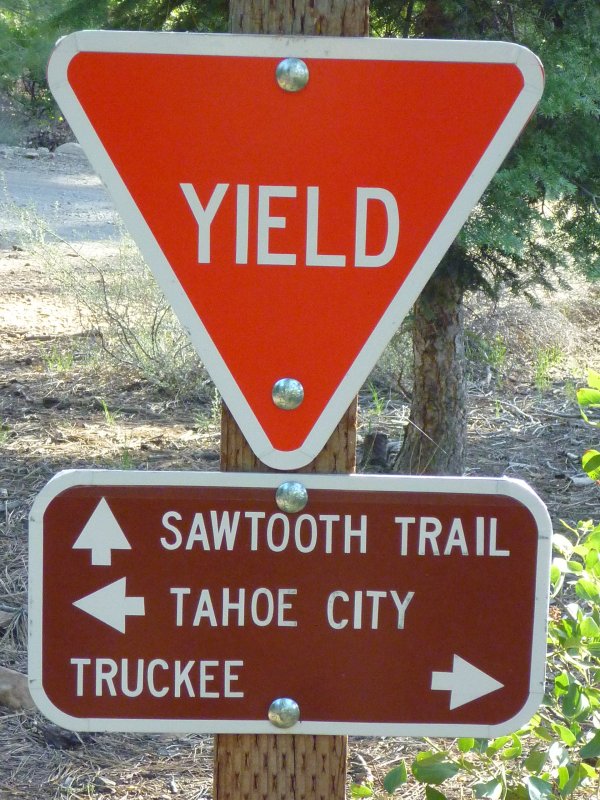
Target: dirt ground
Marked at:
60, 409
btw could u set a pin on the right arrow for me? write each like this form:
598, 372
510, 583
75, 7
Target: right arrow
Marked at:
111, 605
101, 535
465, 683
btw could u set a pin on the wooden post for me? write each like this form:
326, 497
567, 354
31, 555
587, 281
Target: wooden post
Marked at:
288, 766
283, 766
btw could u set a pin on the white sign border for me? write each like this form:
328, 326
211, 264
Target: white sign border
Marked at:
507, 487
231, 45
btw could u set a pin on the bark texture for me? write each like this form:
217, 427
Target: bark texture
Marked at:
280, 767
301, 18
434, 442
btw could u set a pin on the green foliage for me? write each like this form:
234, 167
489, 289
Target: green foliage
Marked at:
24, 49
589, 399
546, 359
395, 778
126, 459
488, 352
542, 210
434, 768
590, 462
29, 29
209, 419
108, 415
149, 15
59, 359
361, 790
589, 405
27, 34
556, 756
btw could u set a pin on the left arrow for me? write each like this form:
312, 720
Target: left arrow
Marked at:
101, 535
111, 605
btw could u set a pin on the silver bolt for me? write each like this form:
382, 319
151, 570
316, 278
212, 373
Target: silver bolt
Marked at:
284, 712
292, 74
291, 497
287, 393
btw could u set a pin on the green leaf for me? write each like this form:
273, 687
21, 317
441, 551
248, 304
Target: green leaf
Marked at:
588, 401
466, 744
434, 794
587, 590
575, 704
590, 772
591, 560
558, 754
593, 538
535, 760
491, 790
433, 768
593, 379
594, 649
497, 744
575, 779
588, 397
592, 748
360, 790
517, 792
590, 461
544, 733
515, 750
567, 736
395, 778
538, 789
561, 682
555, 575
563, 777
589, 627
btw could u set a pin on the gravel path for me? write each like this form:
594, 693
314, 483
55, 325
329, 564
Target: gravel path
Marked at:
62, 190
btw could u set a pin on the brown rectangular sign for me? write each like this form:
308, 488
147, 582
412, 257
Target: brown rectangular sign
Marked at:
190, 602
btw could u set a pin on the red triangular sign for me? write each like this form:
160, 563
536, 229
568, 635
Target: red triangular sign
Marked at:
292, 230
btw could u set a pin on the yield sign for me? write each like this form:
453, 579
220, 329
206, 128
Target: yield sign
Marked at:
292, 231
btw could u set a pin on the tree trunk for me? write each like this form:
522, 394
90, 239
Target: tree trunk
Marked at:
300, 17
434, 442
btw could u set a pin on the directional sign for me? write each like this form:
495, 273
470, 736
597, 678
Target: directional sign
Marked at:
386, 606
292, 231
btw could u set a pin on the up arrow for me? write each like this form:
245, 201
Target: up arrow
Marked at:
111, 605
101, 535
465, 683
